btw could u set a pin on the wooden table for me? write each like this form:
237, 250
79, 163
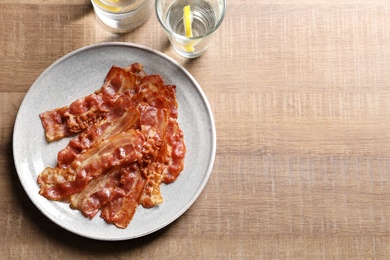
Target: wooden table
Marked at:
300, 92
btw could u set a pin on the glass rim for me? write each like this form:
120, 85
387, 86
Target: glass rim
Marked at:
119, 12
182, 37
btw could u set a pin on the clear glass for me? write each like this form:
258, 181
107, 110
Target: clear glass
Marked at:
123, 15
207, 16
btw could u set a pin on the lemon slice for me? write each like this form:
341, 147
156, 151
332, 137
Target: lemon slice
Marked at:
187, 19
110, 8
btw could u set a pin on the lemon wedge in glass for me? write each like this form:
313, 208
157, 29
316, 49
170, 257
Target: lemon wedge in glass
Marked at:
187, 19
107, 7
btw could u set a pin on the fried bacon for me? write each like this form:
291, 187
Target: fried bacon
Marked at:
121, 208
84, 112
60, 183
153, 91
154, 123
174, 152
122, 118
128, 143
117, 193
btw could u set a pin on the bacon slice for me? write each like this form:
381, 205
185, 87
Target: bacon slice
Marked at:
53, 122
166, 167
97, 193
117, 193
117, 81
153, 91
67, 121
154, 122
121, 208
86, 111
60, 183
175, 151
119, 120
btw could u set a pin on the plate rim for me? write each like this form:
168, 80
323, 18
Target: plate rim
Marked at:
213, 145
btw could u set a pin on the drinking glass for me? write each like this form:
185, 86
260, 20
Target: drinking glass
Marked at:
205, 18
123, 15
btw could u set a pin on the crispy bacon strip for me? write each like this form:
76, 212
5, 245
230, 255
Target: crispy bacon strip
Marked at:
122, 118
117, 81
117, 193
166, 167
53, 122
67, 121
97, 193
154, 122
86, 111
175, 151
121, 208
60, 183
153, 91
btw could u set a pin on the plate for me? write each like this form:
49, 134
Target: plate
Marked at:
78, 74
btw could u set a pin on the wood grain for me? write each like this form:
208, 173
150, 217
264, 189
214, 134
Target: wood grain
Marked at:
301, 99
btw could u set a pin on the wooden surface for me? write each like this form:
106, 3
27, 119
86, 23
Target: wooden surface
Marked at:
300, 92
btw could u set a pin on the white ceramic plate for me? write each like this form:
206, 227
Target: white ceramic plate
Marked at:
80, 73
